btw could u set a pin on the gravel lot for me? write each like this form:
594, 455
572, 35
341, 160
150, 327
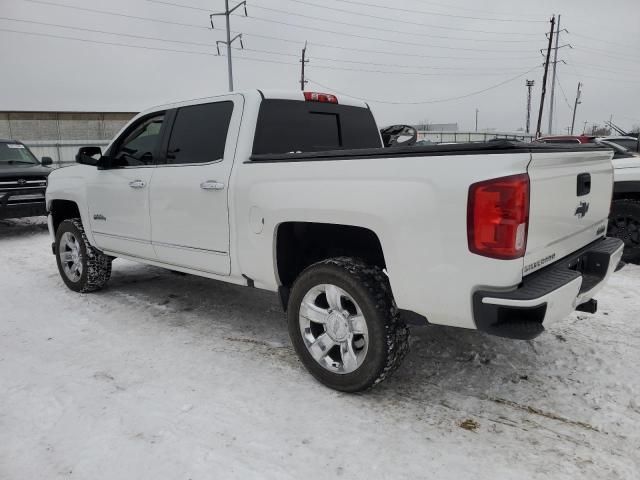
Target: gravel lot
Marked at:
162, 376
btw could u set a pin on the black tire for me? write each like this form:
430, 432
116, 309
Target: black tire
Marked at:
96, 266
388, 336
624, 223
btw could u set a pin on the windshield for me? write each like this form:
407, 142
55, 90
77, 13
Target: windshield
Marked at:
15, 154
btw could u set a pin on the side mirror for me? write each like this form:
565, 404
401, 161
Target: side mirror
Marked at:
46, 161
399, 136
85, 155
105, 162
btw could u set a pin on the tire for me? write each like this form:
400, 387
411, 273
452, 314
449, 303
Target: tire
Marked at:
356, 347
86, 269
624, 223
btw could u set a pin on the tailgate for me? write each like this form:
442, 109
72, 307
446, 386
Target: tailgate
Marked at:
570, 197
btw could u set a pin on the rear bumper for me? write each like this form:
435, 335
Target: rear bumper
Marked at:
22, 210
549, 294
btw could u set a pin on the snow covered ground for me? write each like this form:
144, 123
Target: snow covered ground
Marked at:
162, 376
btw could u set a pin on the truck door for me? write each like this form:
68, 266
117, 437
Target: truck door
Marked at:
189, 195
118, 197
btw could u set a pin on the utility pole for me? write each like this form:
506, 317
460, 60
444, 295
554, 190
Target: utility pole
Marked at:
575, 106
544, 77
553, 78
227, 13
303, 61
529, 84
584, 127
477, 119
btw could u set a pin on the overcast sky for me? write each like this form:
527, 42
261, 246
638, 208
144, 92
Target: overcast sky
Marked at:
403, 52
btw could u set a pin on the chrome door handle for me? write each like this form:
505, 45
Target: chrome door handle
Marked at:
137, 184
212, 185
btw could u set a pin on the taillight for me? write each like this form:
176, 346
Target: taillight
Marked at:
320, 97
498, 217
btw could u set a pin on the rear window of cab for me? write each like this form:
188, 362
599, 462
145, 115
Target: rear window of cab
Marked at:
293, 126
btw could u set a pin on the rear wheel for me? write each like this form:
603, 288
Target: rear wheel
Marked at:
624, 223
82, 267
344, 324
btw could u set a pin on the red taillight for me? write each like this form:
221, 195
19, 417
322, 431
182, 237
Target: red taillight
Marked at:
320, 97
498, 217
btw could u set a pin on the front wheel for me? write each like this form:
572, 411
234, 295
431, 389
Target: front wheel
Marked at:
624, 223
82, 267
344, 324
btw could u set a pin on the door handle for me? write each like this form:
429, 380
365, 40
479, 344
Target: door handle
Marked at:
212, 185
137, 184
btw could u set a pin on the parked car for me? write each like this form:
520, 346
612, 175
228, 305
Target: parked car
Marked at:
295, 193
630, 143
624, 220
23, 180
567, 139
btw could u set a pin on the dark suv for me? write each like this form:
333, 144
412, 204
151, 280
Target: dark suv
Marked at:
23, 181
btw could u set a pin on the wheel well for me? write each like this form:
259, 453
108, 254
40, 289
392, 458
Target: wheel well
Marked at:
300, 244
626, 196
63, 210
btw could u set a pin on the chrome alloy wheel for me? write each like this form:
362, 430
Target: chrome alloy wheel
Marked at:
333, 328
70, 256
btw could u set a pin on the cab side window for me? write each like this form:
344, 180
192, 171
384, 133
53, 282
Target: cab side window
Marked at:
140, 145
199, 133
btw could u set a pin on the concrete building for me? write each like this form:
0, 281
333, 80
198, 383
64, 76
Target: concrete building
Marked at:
59, 134
438, 127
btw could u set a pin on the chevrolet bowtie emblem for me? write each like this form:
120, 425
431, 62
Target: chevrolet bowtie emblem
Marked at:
582, 209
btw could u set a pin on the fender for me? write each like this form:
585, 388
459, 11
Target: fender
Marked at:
71, 186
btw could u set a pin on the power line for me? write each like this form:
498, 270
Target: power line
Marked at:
378, 39
326, 67
381, 29
360, 14
101, 42
270, 52
413, 55
604, 53
123, 15
564, 95
143, 37
442, 100
630, 80
335, 32
600, 40
270, 37
413, 12
385, 19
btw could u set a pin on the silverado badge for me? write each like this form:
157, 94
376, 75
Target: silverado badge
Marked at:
582, 209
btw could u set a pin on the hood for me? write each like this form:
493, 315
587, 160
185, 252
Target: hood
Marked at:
24, 171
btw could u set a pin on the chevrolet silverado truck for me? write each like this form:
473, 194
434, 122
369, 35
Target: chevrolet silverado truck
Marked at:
294, 193
23, 180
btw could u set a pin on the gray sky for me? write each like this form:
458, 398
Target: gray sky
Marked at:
435, 50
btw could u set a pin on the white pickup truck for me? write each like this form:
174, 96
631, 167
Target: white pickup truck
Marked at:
294, 193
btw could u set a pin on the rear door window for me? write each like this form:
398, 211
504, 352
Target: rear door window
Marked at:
199, 133
292, 126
